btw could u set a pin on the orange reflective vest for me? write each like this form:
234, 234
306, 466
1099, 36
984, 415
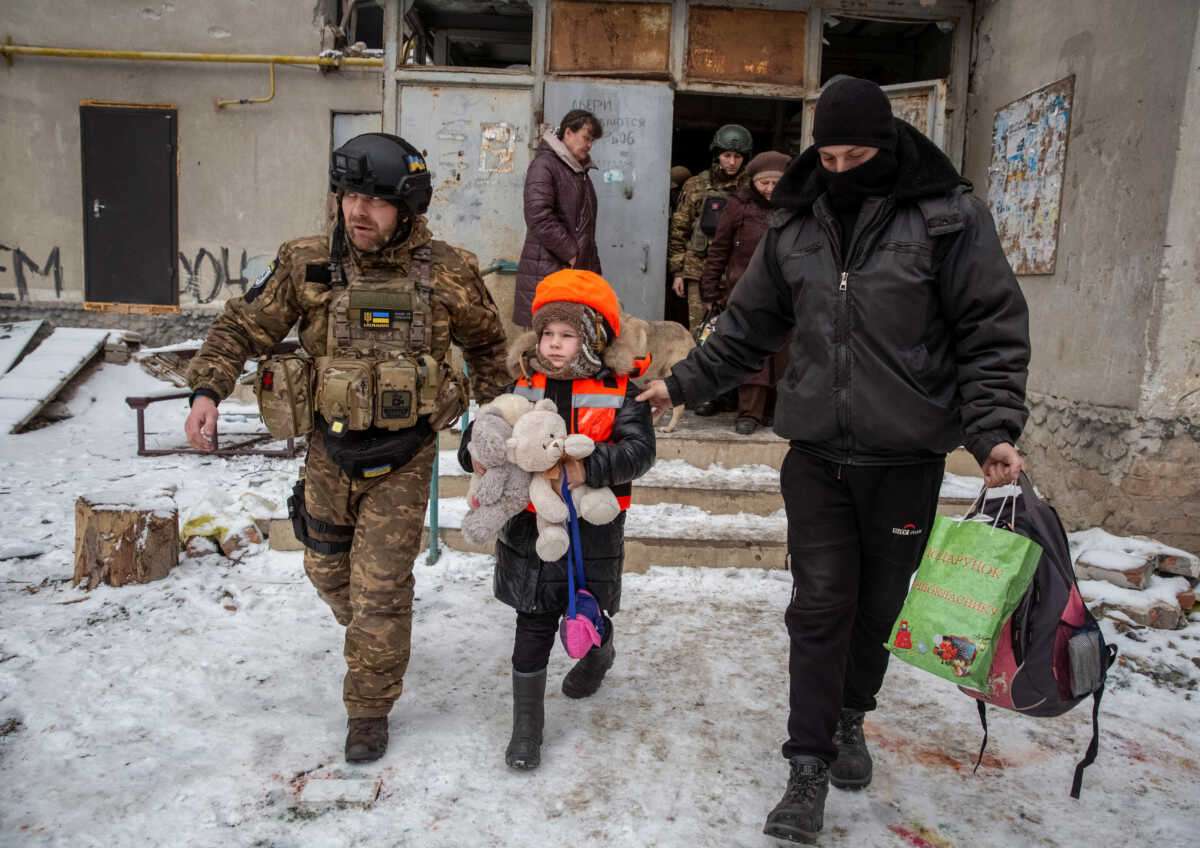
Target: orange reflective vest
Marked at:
594, 405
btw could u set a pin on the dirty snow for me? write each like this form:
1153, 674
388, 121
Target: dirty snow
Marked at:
204, 709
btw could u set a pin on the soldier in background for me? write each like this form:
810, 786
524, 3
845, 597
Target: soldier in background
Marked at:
378, 307
674, 305
695, 218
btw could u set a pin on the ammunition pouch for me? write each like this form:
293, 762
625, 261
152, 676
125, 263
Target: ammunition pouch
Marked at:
283, 387
345, 394
376, 452
388, 394
302, 522
449, 400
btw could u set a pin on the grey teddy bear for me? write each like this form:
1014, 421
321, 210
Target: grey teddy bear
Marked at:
502, 490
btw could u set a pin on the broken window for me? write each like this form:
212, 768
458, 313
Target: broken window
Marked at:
886, 52
469, 34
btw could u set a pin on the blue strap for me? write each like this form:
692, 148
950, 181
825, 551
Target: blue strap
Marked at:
574, 549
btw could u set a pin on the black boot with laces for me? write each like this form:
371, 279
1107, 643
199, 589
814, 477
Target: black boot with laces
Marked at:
852, 768
800, 814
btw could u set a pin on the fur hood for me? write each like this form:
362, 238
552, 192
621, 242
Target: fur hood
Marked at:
618, 359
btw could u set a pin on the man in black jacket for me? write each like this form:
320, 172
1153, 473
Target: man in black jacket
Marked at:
907, 336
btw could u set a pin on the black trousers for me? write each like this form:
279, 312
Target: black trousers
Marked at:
855, 537
534, 640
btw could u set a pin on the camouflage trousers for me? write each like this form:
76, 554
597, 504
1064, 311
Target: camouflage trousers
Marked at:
695, 306
370, 587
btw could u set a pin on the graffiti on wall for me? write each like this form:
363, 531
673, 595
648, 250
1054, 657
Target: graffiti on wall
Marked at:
18, 265
204, 277
1025, 178
207, 276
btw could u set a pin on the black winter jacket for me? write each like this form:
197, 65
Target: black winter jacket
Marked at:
525, 582
917, 344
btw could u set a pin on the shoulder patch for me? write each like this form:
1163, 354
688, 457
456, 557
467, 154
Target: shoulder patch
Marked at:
317, 272
261, 282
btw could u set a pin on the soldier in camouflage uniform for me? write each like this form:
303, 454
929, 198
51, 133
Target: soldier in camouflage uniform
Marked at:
390, 296
691, 229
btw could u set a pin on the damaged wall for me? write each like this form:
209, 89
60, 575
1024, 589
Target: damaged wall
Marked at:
249, 176
1114, 434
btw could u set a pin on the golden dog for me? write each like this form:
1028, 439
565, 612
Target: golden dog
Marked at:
667, 342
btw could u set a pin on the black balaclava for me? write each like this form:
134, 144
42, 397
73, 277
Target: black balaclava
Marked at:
857, 112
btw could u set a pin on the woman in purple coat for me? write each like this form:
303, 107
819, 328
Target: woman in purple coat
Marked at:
742, 225
560, 208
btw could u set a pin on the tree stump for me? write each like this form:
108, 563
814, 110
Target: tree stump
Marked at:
124, 537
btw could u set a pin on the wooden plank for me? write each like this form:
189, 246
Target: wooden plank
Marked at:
43, 374
14, 338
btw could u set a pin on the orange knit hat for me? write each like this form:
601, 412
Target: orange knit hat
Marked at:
577, 286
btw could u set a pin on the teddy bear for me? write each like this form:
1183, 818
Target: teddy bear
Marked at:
502, 490
538, 443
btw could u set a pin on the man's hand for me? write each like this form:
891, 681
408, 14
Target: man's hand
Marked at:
1002, 466
677, 286
659, 398
201, 423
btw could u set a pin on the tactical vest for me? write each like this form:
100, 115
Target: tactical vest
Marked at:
594, 405
705, 225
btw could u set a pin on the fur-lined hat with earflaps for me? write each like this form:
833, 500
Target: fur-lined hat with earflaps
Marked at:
587, 302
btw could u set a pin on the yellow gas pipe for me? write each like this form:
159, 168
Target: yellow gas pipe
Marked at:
9, 50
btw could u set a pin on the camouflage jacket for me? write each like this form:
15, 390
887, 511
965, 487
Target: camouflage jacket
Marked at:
686, 244
464, 312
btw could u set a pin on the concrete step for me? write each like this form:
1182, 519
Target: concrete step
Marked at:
704, 442
665, 534
752, 489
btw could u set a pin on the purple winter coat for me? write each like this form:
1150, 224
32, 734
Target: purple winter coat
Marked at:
560, 221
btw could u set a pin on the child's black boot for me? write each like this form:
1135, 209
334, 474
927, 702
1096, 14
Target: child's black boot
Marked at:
529, 716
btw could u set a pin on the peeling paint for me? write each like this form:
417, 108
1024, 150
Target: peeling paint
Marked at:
496, 148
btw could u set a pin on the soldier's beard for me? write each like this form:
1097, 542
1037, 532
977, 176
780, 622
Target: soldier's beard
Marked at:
370, 238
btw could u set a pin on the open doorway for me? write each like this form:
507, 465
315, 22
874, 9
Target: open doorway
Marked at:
697, 117
774, 124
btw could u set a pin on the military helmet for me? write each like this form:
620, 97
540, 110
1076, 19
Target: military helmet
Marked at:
733, 137
383, 165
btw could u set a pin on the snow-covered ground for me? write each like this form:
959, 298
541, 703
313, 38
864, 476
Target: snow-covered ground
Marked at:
204, 709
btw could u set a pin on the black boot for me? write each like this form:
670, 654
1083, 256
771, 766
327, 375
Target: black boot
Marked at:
366, 739
585, 676
852, 768
529, 716
800, 814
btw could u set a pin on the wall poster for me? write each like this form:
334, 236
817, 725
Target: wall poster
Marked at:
1025, 178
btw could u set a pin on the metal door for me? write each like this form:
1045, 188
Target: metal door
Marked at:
922, 104
476, 143
632, 183
130, 237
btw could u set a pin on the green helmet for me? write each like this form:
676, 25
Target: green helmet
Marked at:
733, 137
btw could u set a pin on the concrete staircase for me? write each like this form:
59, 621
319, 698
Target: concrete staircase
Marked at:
711, 499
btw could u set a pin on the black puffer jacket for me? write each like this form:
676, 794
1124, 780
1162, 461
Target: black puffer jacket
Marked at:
918, 344
525, 582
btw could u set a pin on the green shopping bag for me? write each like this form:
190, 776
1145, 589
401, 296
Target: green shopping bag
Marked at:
971, 577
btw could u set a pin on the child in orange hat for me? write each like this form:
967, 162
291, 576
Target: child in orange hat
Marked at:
575, 356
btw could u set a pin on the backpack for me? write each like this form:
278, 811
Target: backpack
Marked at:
1050, 654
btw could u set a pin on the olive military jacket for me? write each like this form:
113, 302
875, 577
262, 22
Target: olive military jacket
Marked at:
687, 246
